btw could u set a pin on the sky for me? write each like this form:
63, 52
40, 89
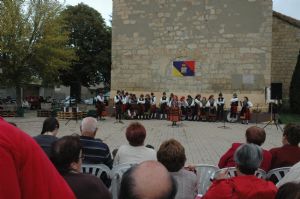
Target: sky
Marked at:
288, 7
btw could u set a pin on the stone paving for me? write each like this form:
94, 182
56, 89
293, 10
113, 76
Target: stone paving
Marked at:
204, 142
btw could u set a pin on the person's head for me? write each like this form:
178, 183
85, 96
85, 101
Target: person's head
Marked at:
246, 99
291, 134
220, 95
136, 134
88, 127
141, 96
164, 93
248, 158
255, 135
211, 97
152, 94
172, 155
150, 180
50, 125
289, 190
66, 154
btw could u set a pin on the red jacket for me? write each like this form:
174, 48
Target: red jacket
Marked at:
26, 172
285, 156
227, 160
241, 187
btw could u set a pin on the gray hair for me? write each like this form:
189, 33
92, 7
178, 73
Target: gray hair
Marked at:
248, 156
88, 125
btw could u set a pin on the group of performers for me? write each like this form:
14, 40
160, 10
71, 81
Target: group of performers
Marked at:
173, 108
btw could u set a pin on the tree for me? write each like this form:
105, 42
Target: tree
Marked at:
91, 39
295, 88
33, 44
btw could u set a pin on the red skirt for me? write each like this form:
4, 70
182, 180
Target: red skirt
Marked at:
174, 114
245, 114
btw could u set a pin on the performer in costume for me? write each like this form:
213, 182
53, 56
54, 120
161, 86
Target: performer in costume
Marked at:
125, 103
118, 104
220, 107
183, 106
141, 107
204, 109
174, 114
147, 106
190, 107
100, 105
245, 112
197, 108
212, 108
234, 103
163, 106
153, 106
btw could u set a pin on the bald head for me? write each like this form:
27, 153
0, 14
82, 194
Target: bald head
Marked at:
150, 180
88, 127
255, 135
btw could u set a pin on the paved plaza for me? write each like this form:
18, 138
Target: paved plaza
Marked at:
204, 142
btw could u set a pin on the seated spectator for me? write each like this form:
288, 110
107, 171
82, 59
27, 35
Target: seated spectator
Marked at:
66, 155
150, 180
48, 134
292, 176
26, 172
172, 155
254, 135
245, 185
135, 152
289, 191
289, 153
95, 151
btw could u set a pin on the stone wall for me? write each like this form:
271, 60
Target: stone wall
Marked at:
230, 40
285, 50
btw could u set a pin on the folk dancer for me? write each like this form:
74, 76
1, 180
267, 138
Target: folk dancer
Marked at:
163, 106
125, 103
190, 108
245, 112
220, 107
153, 106
141, 107
197, 108
212, 108
147, 106
118, 105
183, 106
204, 109
100, 105
234, 103
133, 107
174, 114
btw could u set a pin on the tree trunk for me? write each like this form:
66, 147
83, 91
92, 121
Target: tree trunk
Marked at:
75, 91
18, 96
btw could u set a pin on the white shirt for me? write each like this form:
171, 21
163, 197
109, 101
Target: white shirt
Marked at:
164, 101
141, 101
208, 104
117, 99
234, 100
198, 102
134, 154
292, 176
125, 99
221, 102
100, 98
153, 100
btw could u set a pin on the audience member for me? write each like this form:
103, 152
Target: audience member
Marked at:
150, 180
66, 155
292, 176
289, 191
172, 155
95, 151
26, 172
48, 134
245, 185
135, 152
288, 154
254, 135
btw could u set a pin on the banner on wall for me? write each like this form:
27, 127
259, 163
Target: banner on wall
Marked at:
183, 68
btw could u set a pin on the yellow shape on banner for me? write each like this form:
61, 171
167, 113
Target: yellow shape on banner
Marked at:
176, 73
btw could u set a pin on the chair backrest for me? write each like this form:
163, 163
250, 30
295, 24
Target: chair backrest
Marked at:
232, 172
96, 169
275, 175
204, 174
116, 176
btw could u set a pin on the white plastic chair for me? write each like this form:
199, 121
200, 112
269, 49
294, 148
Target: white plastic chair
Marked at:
116, 176
96, 169
232, 172
205, 173
275, 175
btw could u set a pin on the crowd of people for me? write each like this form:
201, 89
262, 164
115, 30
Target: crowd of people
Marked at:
174, 108
50, 167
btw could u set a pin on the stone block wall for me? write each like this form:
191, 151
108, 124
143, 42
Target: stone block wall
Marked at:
230, 41
285, 50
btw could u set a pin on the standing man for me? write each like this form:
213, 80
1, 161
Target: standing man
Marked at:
163, 106
234, 103
100, 105
220, 107
153, 106
118, 105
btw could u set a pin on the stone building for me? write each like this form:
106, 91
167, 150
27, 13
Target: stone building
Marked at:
228, 41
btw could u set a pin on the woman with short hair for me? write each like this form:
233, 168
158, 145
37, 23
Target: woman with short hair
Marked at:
135, 151
245, 185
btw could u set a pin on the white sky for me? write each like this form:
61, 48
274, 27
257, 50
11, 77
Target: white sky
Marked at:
287, 7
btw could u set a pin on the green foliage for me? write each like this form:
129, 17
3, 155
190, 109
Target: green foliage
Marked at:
295, 89
33, 44
91, 39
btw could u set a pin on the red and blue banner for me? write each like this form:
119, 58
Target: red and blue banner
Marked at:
183, 68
